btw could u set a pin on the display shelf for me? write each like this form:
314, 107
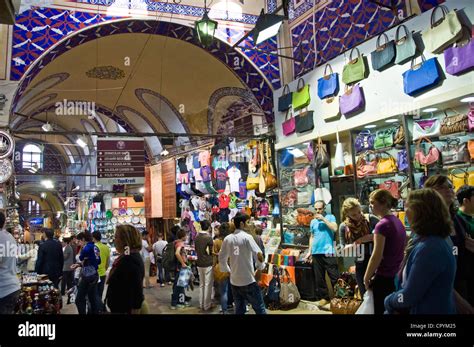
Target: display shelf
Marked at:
340, 177
296, 227
295, 167
298, 206
371, 177
288, 188
289, 245
447, 137
456, 166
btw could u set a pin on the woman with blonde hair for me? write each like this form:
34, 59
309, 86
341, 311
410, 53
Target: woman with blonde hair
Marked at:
428, 276
125, 282
389, 244
355, 235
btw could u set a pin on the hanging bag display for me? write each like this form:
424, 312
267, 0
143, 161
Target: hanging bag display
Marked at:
322, 194
458, 178
328, 85
321, 158
301, 177
384, 54
364, 141
383, 139
301, 98
386, 165
352, 101
421, 77
366, 166
392, 186
442, 33
355, 70
304, 122
460, 58
405, 46
289, 125
428, 159
426, 128
339, 162
402, 160
399, 137
284, 101
455, 152
470, 117
470, 147
330, 109
454, 124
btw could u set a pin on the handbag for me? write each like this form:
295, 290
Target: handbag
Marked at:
352, 100
421, 77
289, 294
458, 179
303, 198
219, 276
288, 237
289, 125
266, 276
455, 152
384, 55
422, 159
328, 85
286, 158
365, 166
386, 165
383, 139
364, 141
426, 128
322, 194
392, 186
344, 305
301, 98
405, 47
302, 237
442, 33
454, 124
355, 70
399, 137
460, 57
470, 147
301, 177
330, 109
470, 118
284, 101
321, 158
304, 122
402, 160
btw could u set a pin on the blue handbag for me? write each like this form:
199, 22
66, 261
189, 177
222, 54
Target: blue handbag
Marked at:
421, 77
328, 85
286, 158
288, 237
384, 55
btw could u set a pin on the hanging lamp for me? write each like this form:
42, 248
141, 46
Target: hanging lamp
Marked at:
205, 28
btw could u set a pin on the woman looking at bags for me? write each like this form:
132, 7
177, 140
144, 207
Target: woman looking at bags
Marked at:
389, 244
428, 276
125, 281
355, 234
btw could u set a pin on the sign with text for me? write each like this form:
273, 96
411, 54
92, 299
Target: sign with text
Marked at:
120, 161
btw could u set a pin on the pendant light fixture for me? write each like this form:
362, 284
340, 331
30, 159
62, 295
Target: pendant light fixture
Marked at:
267, 26
205, 28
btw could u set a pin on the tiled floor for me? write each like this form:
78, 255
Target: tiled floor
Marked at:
158, 300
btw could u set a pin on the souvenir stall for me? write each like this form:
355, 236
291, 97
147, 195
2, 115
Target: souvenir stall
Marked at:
38, 296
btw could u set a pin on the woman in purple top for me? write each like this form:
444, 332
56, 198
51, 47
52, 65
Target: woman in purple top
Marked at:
389, 245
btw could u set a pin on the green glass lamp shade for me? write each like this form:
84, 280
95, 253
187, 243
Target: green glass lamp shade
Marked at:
205, 29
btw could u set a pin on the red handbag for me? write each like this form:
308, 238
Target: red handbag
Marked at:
366, 167
301, 177
392, 186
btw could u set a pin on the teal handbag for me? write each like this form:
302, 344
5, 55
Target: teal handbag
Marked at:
383, 139
404, 46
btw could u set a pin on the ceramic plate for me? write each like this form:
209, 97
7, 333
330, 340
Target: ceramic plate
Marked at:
135, 220
114, 220
142, 220
136, 211
121, 220
123, 212
115, 212
128, 219
129, 212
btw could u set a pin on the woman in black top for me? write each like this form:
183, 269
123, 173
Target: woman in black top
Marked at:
125, 282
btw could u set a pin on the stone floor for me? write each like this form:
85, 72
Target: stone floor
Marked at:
158, 300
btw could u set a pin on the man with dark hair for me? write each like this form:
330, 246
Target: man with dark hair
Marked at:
104, 252
204, 244
158, 248
68, 274
50, 258
9, 283
464, 196
242, 251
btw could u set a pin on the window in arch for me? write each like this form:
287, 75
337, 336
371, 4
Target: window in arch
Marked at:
32, 157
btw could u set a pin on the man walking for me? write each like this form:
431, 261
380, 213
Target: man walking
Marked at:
103, 266
50, 258
204, 244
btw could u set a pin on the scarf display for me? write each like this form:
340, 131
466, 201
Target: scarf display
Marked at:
356, 229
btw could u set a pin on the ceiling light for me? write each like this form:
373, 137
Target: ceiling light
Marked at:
142, 190
80, 141
370, 126
431, 109
468, 99
47, 184
43, 195
392, 120
205, 28
47, 127
266, 27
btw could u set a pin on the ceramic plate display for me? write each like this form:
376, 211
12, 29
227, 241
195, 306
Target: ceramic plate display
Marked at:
128, 219
136, 211
108, 214
135, 220
129, 212
123, 212
115, 212
8, 144
121, 220
114, 220
142, 220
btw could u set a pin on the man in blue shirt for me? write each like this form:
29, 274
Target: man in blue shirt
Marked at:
322, 254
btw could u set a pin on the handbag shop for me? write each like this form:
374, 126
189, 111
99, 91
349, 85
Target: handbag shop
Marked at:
387, 114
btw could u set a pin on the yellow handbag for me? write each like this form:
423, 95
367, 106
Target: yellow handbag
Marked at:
458, 178
386, 165
470, 178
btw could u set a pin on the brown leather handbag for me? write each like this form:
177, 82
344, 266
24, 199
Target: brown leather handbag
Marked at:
270, 178
454, 124
399, 137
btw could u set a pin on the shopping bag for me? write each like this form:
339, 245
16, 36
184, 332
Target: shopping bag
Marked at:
367, 306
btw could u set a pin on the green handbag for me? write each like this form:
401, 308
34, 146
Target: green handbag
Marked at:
442, 33
383, 139
355, 70
301, 98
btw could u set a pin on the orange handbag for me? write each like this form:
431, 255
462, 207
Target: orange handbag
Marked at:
470, 146
266, 276
289, 275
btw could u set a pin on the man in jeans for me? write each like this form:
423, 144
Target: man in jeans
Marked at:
204, 244
158, 247
104, 251
9, 283
242, 251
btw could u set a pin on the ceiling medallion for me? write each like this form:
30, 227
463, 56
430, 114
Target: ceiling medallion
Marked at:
6, 170
106, 73
7, 144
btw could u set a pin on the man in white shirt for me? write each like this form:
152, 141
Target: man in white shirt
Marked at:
9, 282
158, 248
146, 249
242, 251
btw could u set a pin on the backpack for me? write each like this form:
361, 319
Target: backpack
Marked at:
169, 258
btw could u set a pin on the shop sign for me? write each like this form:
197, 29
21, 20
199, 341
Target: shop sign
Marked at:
36, 221
120, 161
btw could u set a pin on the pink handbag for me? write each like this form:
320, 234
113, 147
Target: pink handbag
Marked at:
301, 177
426, 159
470, 118
289, 125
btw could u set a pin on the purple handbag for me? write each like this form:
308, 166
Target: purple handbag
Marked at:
364, 141
459, 59
402, 160
289, 125
352, 100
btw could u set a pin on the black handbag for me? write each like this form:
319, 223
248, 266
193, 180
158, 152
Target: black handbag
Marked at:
301, 238
384, 55
284, 101
304, 122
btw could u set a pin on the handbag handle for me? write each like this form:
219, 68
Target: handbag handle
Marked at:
407, 33
378, 41
433, 14
286, 90
289, 111
298, 85
423, 60
303, 114
350, 55
326, 76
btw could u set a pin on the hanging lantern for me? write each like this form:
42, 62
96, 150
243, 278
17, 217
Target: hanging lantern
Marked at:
205, 28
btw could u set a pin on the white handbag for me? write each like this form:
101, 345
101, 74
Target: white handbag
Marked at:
440, 36
426, 128
330, 109
322, 194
